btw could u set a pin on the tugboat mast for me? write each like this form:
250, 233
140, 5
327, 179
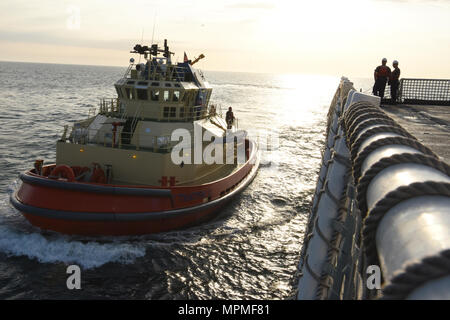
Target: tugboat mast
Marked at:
153, 50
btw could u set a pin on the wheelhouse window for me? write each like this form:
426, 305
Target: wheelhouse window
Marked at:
142, 94
119, 92
176, 95
155, 84
182, 111
154, 95
170, 112
129, 93
166, 95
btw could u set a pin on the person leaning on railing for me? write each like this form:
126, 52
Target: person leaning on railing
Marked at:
394, 81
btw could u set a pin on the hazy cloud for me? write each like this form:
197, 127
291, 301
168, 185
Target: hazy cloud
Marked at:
64, 40
251, 5
415, 1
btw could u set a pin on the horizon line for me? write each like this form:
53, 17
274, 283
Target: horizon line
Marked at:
208, 70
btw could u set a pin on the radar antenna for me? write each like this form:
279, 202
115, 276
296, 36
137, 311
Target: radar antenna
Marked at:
153, 50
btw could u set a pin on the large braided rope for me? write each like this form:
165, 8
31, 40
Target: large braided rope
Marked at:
375, 215
377, 143
402, 158
357, 108
360, 130
358, 121
353, 114
355, 120
417, 274
361, 156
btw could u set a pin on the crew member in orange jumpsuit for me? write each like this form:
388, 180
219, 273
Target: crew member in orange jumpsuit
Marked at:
381, 75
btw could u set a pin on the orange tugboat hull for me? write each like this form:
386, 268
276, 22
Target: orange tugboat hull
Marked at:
121, 228
100, 209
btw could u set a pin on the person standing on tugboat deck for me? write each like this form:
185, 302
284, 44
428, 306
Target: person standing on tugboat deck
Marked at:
229, 118
394, 81
381, 75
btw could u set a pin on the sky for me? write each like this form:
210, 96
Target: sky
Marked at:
345, 37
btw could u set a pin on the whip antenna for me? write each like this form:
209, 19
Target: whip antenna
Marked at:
154, 23
142, 42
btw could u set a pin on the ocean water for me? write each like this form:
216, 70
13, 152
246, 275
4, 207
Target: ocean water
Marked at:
250, 251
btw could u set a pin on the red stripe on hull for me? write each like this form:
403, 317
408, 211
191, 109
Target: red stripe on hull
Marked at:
121, 228
78, 201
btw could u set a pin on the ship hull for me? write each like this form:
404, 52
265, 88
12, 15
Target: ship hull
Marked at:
98, 209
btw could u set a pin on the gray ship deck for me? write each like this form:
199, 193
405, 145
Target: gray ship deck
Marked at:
429, 124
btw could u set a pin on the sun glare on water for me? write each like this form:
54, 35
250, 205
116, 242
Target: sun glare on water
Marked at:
305, 98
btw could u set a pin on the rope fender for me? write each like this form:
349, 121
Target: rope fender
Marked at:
381, 129
362, 182
359, 130
371, 115
417, 274
362, 111
360, 105
371, 222
354, 113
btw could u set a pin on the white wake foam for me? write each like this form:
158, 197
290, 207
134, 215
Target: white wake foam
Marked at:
87, 255
16, 241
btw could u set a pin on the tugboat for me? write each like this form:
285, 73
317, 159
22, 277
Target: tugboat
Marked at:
124, 171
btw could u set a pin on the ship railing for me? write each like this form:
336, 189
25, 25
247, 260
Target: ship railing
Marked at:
198, 112
127, 72
92, 112
421, 91
193, 113
217, 109
183, 113
109, 106
140, 139
123, 140
159, 72
113, 107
